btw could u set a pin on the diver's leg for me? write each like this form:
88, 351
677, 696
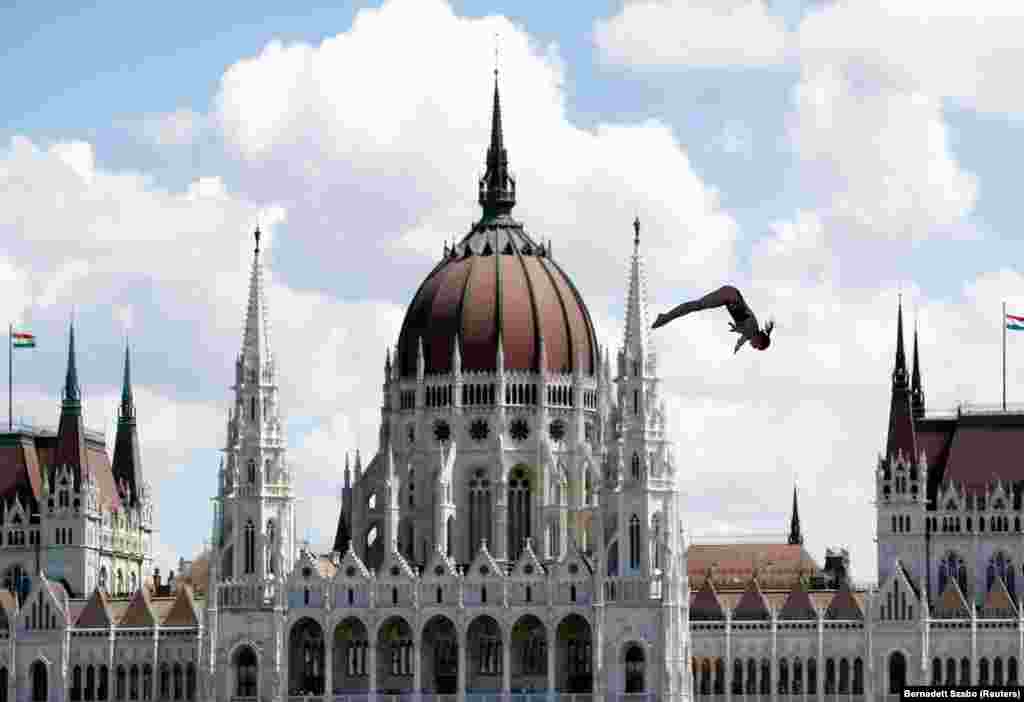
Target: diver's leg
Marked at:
725, 295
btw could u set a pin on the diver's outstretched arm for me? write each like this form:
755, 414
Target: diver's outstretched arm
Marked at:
725, 295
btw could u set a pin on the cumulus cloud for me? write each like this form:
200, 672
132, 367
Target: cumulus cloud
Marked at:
907, 44
693, 33
879, 160
393, 172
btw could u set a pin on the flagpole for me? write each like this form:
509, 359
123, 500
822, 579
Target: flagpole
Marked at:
1004, 356
10, 377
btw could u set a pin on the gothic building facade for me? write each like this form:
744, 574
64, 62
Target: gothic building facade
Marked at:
517, 531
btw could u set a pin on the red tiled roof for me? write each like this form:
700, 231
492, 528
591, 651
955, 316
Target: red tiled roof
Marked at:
798, 605
752, 605
844, 605
998, 602
982, 454
96, 612
951, 604
23, 457
183, 612
777, 565
139, 612
705, 605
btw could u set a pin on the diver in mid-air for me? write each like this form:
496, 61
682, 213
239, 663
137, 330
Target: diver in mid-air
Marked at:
744, 322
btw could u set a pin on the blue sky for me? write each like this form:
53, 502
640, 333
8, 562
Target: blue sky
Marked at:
821, 172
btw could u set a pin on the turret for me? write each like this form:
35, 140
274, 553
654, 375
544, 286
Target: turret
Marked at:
916, 390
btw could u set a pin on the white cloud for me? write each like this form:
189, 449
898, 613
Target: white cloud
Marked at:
179, 128
395, 170
879, 161
910, 46
693, 33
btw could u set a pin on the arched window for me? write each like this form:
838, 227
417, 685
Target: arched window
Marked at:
897, 673
267, 470
656, 541
1011, 670
783, 676
479, 512
751, 676
252, 408
812, 676
179, 681
737, 677
983, 671
147, 682
635, 466
133, 683
858, 676
76, 684
449, 532
844, 676
798, 677
936, 672
250, 547
634, 542
520, 507
39, 682
120, 683
165, 681
246, 673
252, 471
965, 671
271, 547
103, 684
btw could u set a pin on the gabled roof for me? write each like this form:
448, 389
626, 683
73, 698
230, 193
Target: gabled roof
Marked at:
733, 565
798, 604
140, 612
439, 565
183, 612
573, 556
998, 602
951, 603
908, 579
752, 605
844, 605
484, 565
705, 605
351, 566
395, 566
528, 565
96, 613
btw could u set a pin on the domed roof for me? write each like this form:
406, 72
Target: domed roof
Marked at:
497, 282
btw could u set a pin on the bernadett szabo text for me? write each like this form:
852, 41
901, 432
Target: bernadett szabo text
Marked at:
962, 693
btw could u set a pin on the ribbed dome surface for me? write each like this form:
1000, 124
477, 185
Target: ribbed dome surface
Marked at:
497, 280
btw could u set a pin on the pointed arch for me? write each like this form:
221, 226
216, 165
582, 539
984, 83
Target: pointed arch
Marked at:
250, 547
634, 466
520, 509
634, 542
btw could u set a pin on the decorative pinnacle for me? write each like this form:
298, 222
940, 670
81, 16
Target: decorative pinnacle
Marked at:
257, 235
636, 232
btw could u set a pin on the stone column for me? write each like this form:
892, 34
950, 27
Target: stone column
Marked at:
329, 663
462, 666
373, 668
552, 662
417, 674
502, 549
506, 666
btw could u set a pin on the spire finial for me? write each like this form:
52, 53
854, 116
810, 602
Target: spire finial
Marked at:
636, 231
71, 390
496, 46
256, 234
497, 188
796, 538
127, 402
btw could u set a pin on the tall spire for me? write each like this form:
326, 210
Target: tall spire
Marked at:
127, 401
901, 439
635, 343
127, 463
497, 187
72, 393
255, 341
70, 449
916, 391
795, 536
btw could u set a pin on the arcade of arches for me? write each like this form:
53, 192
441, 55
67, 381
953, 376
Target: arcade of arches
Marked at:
353, 658
841, 675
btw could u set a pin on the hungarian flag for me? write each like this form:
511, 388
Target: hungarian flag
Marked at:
1014, 322
24, 340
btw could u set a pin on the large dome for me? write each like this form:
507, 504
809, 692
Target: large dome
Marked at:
496, 282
